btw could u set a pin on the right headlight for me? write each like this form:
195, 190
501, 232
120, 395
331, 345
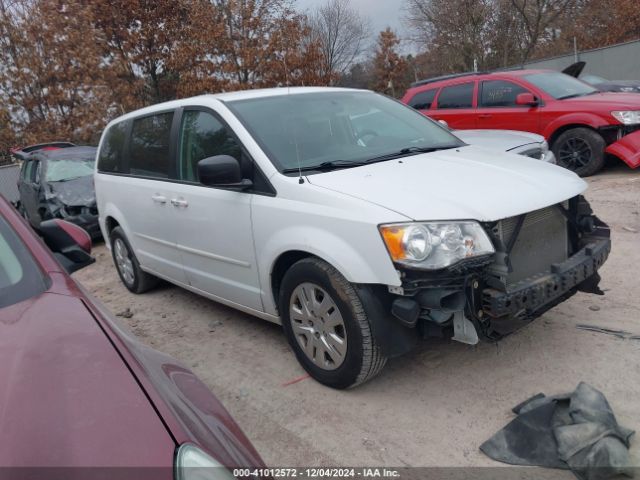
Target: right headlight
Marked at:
435, 245
627, 117
194, 464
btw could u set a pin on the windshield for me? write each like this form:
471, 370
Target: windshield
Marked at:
20, 278
593, 79
305, 130
560, 85
59, 170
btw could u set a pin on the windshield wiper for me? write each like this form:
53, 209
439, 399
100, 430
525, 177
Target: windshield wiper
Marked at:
324, 166
337, 164
408, 151
67, 179
574, 95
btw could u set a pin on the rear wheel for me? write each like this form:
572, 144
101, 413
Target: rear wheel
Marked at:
580, 150
134, 278
327, 326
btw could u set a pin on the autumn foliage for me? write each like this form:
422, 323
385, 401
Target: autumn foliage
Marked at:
390, 68
69, 66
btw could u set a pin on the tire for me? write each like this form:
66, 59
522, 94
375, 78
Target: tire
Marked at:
336, 301
127, 265
580, 150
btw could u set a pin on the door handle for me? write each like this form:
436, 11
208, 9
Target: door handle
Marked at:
179, 202
484, 115
159, 198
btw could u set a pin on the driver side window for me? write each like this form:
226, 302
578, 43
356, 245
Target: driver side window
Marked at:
500, 93
202, 135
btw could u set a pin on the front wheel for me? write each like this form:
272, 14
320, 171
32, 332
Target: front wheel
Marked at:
327, 326
134, 278
580, 150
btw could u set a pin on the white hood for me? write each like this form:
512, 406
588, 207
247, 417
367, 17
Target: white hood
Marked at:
498, 139
464, 183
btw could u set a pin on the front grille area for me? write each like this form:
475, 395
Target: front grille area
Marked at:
533, 153
542, 241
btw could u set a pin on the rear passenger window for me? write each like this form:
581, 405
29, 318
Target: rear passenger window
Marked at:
423, 100
202, 135
500, 93
110, 158
457, 96
149, 148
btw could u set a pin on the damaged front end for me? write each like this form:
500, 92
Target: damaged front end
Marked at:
73, 201
541, 258
626, 147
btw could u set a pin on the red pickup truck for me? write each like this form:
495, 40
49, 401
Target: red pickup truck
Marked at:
581, 123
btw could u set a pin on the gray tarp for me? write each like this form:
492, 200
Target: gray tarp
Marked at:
576, 431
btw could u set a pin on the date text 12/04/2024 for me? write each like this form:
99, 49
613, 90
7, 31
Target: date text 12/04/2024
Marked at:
316, 473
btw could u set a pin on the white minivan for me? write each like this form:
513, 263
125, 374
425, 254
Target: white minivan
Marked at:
354, 221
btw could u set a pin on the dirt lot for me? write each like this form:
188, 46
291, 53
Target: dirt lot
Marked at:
433, 407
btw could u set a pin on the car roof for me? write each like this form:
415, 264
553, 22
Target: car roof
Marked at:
437, 82
70, 153
230, 97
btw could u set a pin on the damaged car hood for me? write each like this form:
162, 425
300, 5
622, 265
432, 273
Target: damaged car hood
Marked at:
76, 192
459, 183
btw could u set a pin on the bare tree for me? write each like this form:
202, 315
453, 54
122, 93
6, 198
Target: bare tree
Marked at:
537, 19
459, 32
342, 34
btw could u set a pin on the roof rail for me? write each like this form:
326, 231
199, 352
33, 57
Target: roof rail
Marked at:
445, 77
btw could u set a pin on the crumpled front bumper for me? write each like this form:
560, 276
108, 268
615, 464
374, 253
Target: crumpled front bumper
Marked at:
88, 222
627, 149
535, 293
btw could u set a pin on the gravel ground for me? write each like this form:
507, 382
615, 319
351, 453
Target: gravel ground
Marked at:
433, 407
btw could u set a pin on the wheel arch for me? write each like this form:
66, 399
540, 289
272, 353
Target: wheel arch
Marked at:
578, 120
367, 264
110, 219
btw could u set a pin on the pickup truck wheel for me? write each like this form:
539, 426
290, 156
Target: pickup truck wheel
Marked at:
326, 325
580, 150
127, 265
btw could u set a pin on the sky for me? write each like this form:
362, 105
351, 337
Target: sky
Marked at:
381, 13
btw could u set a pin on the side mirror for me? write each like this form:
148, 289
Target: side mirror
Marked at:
222, 171
444, 124
526, 99
70, 243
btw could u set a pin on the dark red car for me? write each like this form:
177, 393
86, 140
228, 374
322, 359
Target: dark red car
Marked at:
580, 123
76, 390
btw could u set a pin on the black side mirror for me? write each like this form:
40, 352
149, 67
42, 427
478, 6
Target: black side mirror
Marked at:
222, 171
70, 244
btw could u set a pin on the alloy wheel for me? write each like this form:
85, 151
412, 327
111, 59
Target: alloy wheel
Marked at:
575, 153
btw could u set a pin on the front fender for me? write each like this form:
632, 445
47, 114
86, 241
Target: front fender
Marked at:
627, 149
577, 118
363, 260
